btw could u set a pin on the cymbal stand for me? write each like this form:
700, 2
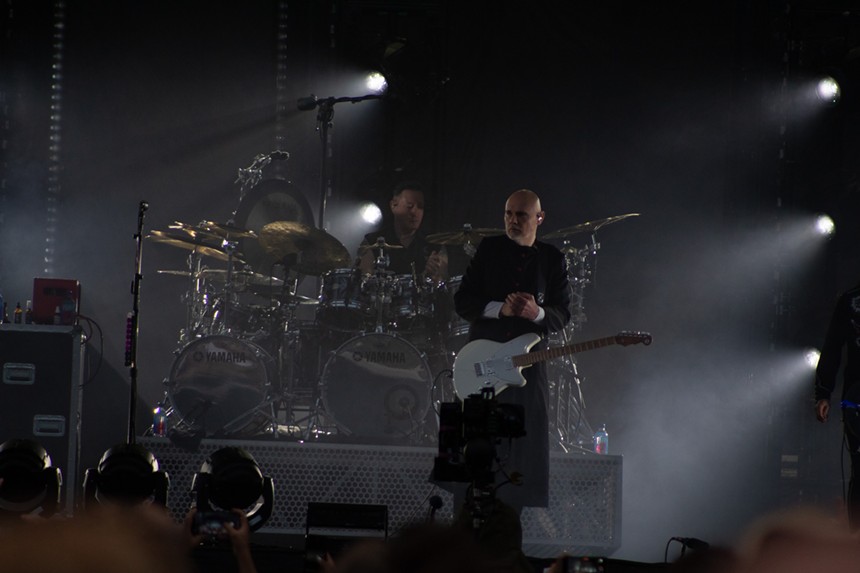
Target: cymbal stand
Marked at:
380, 266
580, 273
228, 294
571, 428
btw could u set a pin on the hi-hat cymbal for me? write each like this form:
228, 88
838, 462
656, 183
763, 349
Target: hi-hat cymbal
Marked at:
379, 244
587, 227
198, 245
465, 235
316, 252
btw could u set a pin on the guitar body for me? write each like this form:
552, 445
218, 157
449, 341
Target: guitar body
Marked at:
486, 364
497, 365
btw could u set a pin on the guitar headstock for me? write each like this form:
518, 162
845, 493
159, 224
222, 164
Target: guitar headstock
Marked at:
628, 337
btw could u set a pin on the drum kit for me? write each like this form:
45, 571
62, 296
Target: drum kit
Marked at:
368, 359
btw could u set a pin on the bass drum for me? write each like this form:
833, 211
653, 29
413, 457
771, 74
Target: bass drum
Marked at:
377, 386
219, 385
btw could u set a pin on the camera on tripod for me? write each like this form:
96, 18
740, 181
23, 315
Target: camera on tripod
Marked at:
468, 434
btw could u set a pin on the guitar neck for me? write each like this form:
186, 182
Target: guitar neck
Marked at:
549, 353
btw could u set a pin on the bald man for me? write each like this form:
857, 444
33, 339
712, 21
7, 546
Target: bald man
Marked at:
516, 284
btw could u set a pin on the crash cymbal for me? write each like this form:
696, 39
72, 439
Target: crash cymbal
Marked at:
200, 246
316, 252
587, 227
466, 235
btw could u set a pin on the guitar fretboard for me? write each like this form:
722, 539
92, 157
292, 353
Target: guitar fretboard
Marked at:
549, 353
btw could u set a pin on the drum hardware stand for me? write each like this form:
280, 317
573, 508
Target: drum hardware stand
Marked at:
569, 400
250, 176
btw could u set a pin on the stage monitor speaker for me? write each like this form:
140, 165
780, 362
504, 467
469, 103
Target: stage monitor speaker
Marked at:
41, 394
330, 528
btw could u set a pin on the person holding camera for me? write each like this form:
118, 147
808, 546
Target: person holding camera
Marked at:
514, 285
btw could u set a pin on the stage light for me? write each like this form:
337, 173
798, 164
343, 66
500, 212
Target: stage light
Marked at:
824, 225
231, 479
28, 482
811, 356
828, 90
127, 474
370, 213
376, 83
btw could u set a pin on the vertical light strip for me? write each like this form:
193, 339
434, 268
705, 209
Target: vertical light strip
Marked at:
5, 120
55, 126
281, 83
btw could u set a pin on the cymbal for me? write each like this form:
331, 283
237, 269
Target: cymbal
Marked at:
227, 230
316, 251
198, 245
379, 244
185, 274
249, 278
587, 227
466, 235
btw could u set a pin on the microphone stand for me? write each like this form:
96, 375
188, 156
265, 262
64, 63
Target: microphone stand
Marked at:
325, 115
132, 324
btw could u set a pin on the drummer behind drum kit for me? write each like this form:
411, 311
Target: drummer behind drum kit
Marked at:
368, 359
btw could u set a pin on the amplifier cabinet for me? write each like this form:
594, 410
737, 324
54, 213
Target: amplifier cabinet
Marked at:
41, 394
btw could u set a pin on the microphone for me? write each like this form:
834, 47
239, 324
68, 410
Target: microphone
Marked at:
693, 543
307, 103
279, 155
435, 503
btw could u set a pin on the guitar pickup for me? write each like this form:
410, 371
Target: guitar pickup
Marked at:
480, 369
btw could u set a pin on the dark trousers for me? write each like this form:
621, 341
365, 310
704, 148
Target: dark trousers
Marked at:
853, 500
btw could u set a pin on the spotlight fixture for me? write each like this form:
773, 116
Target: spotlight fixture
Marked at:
824, 225
811, 356
376, 83
28, 481
231, 479
126, 474
827, 89
370, 213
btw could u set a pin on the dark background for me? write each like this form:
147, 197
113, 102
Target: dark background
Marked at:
696, 116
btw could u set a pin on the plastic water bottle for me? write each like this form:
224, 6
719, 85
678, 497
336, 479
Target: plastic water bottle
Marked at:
601, 440
159, 422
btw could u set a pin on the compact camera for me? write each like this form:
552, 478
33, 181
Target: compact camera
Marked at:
212, 523
572, 564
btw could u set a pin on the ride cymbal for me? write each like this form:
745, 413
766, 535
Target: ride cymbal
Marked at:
465, 235
587, 227
316, 252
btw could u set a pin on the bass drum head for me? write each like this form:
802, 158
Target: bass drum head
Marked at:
377, 386
218, 384
269, 201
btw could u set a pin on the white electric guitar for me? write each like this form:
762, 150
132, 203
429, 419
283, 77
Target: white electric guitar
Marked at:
486, 364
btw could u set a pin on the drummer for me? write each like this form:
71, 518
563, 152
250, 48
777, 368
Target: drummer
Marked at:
417, 256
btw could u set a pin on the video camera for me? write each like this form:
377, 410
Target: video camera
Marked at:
468, 434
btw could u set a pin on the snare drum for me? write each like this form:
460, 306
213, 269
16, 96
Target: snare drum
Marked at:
411, 304
378, 386
219, 384
341, 305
